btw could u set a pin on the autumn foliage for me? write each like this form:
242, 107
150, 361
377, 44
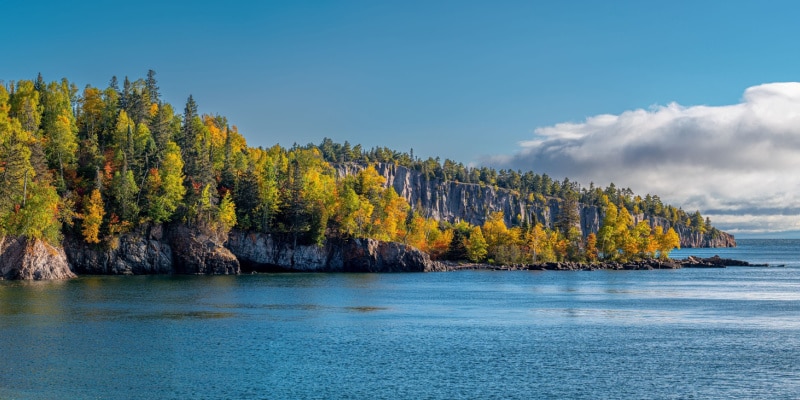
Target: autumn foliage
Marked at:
101, 161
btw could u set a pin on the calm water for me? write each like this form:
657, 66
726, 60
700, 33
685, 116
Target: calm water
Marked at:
691, 333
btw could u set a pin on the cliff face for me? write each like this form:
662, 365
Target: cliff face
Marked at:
178, 249
690, 238
32, 259
452, 202
263, 252
153, 250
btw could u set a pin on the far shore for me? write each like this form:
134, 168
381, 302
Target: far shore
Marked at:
649, 264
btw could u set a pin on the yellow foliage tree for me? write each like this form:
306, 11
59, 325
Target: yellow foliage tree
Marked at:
495, 231
438, 240
669, 241
476, 245
642, 236
535, 240
369, 183
227, 214
417, 232
93, 217
591, 247
393, 210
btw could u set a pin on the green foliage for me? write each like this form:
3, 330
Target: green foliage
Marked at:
476, 245
37, 217
123, 194
124, 157
227, 215
165, 190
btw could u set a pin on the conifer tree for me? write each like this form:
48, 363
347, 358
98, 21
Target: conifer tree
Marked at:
152, 87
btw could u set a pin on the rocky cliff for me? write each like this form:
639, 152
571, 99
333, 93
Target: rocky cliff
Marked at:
453, 201
691, 238
264, 252
152, 249
178, 249
32, 259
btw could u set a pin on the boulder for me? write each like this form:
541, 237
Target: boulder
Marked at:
32, 259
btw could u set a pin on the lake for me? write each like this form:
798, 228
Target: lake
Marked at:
672, 334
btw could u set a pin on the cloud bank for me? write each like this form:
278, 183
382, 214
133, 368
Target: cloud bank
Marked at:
738, 164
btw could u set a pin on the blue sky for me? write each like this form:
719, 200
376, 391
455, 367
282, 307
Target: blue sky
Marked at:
472, 81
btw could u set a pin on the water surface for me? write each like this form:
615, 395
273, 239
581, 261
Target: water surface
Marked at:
690, 333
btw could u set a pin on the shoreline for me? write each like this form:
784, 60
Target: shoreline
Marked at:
641, 265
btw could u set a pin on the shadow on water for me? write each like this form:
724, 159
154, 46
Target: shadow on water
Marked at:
181, 315
365, 309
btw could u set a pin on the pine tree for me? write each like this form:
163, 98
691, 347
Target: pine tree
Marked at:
152, 87
568, 215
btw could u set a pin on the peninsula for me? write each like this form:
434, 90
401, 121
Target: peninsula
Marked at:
114, 181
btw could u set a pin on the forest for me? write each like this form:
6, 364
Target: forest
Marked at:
97, 162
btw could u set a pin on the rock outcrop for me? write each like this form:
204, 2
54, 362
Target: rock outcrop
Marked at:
194, 252
691, 238
140, 252
32, 259
155, 249
716, 262
453, 201
264, 252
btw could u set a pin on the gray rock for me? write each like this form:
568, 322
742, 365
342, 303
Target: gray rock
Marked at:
32, 259
152, 249
194, 252
139, 252
259, 251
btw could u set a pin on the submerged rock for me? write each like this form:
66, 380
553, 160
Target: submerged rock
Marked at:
32, 259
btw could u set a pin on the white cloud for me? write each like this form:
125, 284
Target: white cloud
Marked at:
739, 164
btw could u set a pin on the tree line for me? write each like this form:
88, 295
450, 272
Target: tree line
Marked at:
96, 163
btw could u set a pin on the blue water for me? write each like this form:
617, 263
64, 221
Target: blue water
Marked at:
690, 333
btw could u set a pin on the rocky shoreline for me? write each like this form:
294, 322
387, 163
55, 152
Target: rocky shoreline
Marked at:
178, 249
641, 265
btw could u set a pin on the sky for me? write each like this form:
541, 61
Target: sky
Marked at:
691, 100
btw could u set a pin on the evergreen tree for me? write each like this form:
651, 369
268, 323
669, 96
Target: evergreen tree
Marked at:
152, 87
